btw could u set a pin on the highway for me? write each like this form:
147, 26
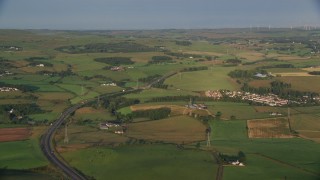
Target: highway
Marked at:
47, 138
49, 151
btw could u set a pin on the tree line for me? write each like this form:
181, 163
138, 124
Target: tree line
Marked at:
115, 61
106, 48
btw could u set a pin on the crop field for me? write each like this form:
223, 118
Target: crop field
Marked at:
21, 155
179, 129
214, 79
302, 83
14, 134
143, 162
269, 128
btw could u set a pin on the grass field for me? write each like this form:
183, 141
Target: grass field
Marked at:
21, 155
239, 110
214, 79
143, 162
179, 129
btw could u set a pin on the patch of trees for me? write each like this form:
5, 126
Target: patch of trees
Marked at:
314, 73
180, 98
21, 87
115, 103
200, 68
281, 89
161, 59
160, 85
245, 74
182, 55
18, 113
183, 43
5, 63
115, 61
150, 79
153, 114
233, 61
241, 157
277, 66
33, 61
261, 61
106, 48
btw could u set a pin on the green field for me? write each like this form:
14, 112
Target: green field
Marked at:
144, 162
214, 79
21, 155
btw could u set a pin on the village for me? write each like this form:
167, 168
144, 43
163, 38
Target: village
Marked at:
8, 89
269, 99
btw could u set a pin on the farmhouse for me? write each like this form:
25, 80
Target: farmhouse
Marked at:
109, 84
8, 89
108, 125
259, 75
40, 65
117, 68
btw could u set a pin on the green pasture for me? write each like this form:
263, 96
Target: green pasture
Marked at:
260, 167
239, 110
51, 116
21, 155
214, 79
143, 162
299, 154
155, 92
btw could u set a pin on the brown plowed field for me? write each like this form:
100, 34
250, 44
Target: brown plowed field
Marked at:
270, 128
14, 134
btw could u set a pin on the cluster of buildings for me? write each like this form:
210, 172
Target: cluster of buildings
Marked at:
6, 73
196, 106
40, 65
117, 68
8, 89
107, 125
269, 99
236, 163
109, 84
112, 126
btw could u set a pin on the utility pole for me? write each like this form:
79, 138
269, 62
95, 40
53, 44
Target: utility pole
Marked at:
208, 131
66, 139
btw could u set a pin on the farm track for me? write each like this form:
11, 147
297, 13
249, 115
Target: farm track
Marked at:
219, 175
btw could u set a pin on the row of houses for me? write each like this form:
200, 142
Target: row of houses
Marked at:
8, 89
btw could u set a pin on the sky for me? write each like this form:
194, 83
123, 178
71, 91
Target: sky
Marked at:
156, 14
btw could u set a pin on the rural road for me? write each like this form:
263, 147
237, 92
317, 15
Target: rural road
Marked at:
48, 149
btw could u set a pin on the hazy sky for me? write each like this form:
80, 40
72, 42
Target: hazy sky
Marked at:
156, 14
